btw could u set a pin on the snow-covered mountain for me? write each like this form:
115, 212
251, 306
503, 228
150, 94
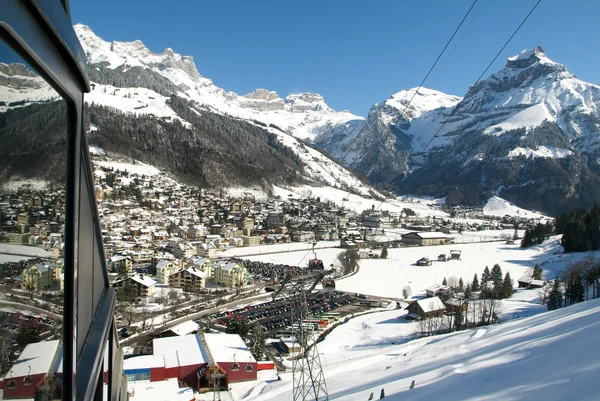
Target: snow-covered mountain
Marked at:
303, 115
530, 132
19, 86
359, 148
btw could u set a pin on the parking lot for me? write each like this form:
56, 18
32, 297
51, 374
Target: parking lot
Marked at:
274, 315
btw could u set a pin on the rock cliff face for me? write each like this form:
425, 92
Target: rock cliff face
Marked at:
302, 115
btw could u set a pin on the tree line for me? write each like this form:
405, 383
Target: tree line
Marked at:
578, 283
580, 230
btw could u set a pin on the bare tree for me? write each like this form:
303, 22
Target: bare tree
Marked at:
29, 284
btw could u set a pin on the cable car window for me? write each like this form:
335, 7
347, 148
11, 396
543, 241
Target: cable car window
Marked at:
33, 145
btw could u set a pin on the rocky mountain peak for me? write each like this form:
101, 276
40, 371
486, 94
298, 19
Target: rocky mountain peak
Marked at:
301, 102
16, 69
132, 54
262, 94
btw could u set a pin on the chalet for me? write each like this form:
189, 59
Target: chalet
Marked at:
529, 282
455, 304
142, 285
436, 290
424, 308
190, 279
424, 261
455, 254
426, 238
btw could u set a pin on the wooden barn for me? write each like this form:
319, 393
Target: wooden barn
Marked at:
424, 308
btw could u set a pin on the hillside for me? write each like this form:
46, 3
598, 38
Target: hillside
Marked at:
550, 356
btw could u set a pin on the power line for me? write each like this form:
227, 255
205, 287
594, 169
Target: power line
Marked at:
475, 84
481, 76
372, 159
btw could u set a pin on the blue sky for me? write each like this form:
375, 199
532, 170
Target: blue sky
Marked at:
354, 53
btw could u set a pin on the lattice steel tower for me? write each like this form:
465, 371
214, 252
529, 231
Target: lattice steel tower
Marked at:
309, 381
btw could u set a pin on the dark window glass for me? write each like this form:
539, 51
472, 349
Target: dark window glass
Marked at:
33, 138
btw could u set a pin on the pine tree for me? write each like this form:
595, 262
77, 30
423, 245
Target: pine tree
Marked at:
475, 283
238, 324
485, 277
468, 291
555, 298
496, 276
461, 285
258, 347
445, 282
384, 252
507, 286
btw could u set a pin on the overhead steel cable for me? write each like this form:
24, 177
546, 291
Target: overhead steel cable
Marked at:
455, 109
480, 77
372, 159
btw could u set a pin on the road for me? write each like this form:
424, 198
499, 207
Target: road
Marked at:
34, 309
145, 337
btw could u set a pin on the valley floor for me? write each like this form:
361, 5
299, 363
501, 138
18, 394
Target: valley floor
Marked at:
533, 354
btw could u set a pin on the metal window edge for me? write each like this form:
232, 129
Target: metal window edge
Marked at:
90, 361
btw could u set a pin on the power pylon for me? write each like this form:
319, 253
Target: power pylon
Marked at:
309, 381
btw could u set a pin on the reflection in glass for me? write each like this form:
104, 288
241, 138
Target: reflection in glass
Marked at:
32, 194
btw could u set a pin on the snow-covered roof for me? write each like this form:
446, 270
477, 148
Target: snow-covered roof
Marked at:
143, 280
196, 272
143, 362
525, 279
225, 265
431, 304
436, 287
428, 234
188, 349
161, 390
185, 328
228, 348
35, 359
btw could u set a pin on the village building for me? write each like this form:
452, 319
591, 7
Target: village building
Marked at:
437, 289
426, 238
456, 304
121, 264
207, 250
529, 282
164, 269
142, 285
190, 279
229, 274
44, 274
35, 367
200, 263
425, 308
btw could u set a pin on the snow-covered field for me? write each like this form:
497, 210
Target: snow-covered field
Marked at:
511, 361
15, 253
550, 356
387, 277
